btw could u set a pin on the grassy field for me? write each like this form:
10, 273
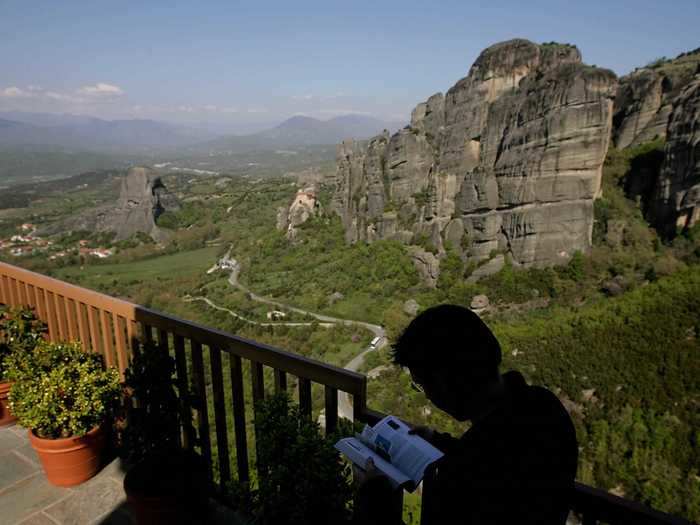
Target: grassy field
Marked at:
158, 268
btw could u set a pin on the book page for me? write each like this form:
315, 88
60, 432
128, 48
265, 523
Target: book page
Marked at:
409, 453
358, 453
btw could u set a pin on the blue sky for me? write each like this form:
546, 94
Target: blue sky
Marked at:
246, 64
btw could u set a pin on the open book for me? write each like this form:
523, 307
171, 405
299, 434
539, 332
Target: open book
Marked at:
401, 456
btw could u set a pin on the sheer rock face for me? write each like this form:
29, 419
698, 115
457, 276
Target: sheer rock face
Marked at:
645, 99
304, 205
676, 202
509, 159
143, 198
641, 109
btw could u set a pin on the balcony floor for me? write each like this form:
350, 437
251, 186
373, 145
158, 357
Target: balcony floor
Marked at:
26, 497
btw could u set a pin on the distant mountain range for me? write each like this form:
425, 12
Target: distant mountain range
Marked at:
92, 134
76, 132
303, 131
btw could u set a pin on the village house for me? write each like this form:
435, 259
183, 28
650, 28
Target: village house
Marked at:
101, 253
21, 251
20, 238
275, 315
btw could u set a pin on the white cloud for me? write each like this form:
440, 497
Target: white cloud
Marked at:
53, 95
257, 110
14, 92
101, 89
344, 112
309, 96
339, 94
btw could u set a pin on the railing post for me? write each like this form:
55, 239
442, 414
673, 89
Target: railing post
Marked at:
359, 401
217, 380
280, 381
200, 391
236, 369
183, 389
331, 409
305, 397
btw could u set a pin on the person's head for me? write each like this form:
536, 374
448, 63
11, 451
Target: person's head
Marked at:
452, 355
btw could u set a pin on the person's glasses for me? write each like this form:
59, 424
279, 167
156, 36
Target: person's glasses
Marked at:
417, 386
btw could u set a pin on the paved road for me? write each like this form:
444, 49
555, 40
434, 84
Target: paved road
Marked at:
344, 401
208, 301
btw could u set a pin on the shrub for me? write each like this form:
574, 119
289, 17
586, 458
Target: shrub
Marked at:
62, 391
575, 269
151, 420
20, 331
301, 476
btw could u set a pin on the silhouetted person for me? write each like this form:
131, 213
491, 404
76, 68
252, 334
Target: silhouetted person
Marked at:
517, 462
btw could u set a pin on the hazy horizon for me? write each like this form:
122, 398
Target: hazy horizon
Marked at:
240, 67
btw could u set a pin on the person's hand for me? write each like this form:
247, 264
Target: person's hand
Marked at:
426, 433
370, 472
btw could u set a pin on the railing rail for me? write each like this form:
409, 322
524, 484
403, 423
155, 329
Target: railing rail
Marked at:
115, 328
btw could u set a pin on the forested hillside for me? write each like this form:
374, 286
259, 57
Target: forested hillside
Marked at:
614, 332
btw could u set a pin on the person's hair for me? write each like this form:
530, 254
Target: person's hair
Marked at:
447, 336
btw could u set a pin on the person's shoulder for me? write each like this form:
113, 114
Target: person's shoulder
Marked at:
535, 400
544, 399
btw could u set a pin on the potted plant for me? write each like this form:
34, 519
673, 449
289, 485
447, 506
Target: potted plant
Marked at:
65, 397
20, 330
164, 483
301, 477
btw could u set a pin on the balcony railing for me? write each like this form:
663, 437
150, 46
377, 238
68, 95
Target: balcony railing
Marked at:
115, 328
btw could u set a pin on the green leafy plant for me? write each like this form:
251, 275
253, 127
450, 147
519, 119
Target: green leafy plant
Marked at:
20, 331
62, 391
151, 422
301, 476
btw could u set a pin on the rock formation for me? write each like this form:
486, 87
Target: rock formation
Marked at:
645, 98
660, 102
143, 198
507, 161
304, 205
676, 203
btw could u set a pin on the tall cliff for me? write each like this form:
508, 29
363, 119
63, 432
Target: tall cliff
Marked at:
659, 101
142, 199
507, 161
645, 98
676, 201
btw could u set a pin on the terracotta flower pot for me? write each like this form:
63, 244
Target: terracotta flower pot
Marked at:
6, 416
167, 489
70, 461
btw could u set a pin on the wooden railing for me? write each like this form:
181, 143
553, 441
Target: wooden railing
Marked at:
115, 329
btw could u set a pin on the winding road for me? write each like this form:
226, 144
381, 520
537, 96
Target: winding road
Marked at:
344, 400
